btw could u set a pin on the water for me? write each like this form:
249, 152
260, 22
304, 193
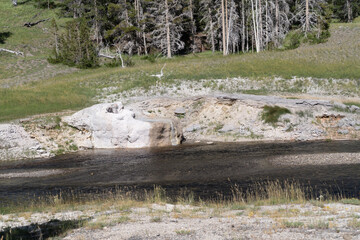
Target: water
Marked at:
206, 170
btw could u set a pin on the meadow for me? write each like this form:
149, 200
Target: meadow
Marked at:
30, 85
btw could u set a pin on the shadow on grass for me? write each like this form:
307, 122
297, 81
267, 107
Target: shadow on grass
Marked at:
46, 230
4, 36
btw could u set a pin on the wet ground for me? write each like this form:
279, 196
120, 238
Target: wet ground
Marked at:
207, 170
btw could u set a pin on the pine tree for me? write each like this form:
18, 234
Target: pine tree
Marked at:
75, 46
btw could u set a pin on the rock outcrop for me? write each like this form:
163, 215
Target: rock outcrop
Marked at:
16, 143
113, 126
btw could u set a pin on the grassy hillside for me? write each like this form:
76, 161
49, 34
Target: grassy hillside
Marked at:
29, 85
35, 42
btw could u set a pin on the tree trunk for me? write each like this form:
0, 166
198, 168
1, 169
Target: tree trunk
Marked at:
212, 33
96, 25
349, 10
228, 33
307, 20
226, 27
260, 30
223, 27
243, 25
126, 15
277, 22
145, 46
255, 18
193, 32
266, 22
247, 38
167, 29
56, 43
138, 33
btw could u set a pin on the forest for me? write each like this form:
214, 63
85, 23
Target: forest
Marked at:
110, 29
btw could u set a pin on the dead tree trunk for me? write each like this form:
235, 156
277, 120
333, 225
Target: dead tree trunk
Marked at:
11, 51
193, 30
260, 30
307, 20
223, 27
212, 32
226, 27
168, 41
243, 25
277, 22
349, 10
97, 37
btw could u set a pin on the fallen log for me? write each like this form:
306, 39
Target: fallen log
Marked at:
31, 24
11, 51
106, 56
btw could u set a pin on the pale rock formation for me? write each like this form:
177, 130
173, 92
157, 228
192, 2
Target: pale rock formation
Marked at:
113, 126
16, 143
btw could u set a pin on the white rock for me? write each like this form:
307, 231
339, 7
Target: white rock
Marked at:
16, 143
113, 126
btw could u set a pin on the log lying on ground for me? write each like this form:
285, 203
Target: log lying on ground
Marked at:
31, 24
106, 56
11, 51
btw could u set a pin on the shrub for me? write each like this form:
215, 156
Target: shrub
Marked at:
271, 114
151, 58
293, 40
315, 38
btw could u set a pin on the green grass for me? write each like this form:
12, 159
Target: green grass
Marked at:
353, 201
319, 225
288, 224
29, 85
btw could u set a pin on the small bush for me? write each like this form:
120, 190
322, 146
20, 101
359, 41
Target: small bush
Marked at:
151, 58
73, 147
4, 36
293, 40
271, 114
128, 61
113, 63
315, 38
